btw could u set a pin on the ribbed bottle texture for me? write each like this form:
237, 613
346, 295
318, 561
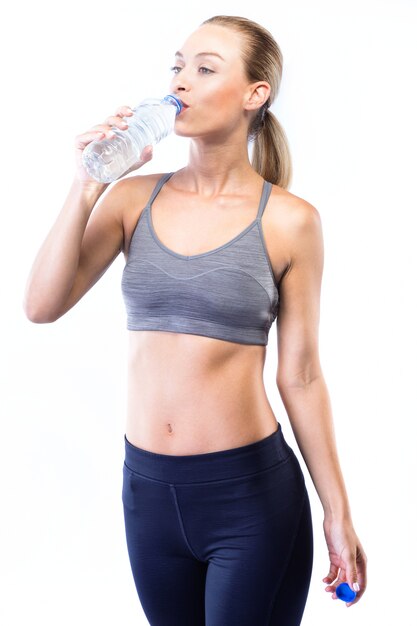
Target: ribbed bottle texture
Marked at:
108, 159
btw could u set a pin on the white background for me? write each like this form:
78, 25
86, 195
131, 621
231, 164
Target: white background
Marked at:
347, 103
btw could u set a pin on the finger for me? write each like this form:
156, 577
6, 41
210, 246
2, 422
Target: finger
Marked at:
332, 575
361, 565
82, 140
353, 601
147, 153
359, 593
114, 120
352, 573
335, 583
332, 588
124, 110
145, 156
104, 129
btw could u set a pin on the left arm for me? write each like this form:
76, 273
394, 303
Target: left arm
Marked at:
300, 379
304, 392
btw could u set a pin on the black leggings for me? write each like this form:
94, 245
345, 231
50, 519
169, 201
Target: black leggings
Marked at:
219, 539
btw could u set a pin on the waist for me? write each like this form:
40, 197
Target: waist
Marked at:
191, 394
219, 465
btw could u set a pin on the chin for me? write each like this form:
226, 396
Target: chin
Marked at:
196, 130
182, 132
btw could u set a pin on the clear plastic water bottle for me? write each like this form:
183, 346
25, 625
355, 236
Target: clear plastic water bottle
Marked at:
153, 119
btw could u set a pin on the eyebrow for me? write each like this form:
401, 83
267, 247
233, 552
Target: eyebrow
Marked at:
201, 54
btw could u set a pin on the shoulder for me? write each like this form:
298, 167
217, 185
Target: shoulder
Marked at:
292, 229
296, 211
292, 218
133, 193
138, 187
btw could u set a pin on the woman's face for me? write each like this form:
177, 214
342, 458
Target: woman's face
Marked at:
214, 87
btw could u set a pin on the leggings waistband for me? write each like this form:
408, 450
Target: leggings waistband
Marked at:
222, 464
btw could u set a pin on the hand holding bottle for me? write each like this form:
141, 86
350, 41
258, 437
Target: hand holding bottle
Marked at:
104, 131
149, 122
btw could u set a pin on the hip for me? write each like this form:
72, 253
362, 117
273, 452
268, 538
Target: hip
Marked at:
227, 464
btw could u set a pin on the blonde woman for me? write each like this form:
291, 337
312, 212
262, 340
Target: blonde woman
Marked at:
217, 514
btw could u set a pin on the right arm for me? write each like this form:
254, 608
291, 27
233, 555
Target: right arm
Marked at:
82, 243
78, 249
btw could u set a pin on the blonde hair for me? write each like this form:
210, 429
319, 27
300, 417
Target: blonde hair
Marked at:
263, 60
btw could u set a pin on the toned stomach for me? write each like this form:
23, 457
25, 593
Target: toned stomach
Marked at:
189, 394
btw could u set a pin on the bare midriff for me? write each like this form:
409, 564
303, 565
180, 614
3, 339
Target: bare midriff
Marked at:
190, 394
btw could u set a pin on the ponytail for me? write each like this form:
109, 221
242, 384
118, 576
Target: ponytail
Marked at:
271, 156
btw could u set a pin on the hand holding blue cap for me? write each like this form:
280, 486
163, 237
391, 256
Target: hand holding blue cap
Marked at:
345, 593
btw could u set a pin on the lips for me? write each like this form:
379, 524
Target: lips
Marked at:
185, 108
184, 104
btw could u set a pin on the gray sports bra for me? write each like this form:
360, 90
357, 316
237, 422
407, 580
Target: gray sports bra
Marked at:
227, 293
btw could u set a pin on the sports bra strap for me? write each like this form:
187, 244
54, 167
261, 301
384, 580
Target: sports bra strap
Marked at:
266, 192
159, 185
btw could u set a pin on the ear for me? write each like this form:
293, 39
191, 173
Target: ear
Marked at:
256, 95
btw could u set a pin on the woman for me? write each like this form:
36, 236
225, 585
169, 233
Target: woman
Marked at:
217, 515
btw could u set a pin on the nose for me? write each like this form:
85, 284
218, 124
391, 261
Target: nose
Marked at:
179, 83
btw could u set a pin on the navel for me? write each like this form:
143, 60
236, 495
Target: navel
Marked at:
170, 428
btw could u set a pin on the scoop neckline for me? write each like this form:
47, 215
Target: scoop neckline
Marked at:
196, 256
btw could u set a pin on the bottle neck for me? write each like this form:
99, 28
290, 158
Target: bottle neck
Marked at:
175, 101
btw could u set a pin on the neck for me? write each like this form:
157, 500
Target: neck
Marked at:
216, 168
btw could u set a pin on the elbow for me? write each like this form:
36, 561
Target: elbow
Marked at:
298, 382
38, 317
36, 314
300, 377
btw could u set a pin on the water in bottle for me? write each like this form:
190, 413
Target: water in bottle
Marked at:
153, 119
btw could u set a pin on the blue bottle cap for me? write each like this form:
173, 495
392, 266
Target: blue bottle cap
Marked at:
345, 593
174, 100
